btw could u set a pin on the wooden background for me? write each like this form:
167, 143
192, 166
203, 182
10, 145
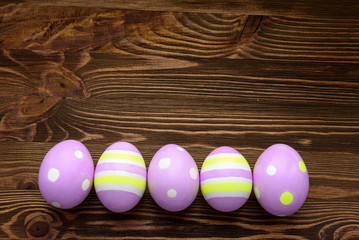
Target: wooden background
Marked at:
197, 73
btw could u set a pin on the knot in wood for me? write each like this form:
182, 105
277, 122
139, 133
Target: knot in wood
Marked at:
37, 225
38, 229
347, 232
29, 184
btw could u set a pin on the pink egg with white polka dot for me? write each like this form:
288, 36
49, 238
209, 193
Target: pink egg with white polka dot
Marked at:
173, 178
280, 179
66, 174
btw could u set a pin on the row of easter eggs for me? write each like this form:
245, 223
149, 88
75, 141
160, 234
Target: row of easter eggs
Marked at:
67, 173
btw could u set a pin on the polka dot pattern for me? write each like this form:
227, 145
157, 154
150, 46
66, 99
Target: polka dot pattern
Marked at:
53, 174
86, 184
173, 179
302, 166
286, 198
257, 193
280, 179
79, 154
271, 170
66, 174
193, 173
172, 193
164, 163
56, 204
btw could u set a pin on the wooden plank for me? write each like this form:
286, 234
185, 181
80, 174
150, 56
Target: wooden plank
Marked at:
107, 75
191, 122
174, 35
122, 31
261, 81
26, 215
302, 8
133, 87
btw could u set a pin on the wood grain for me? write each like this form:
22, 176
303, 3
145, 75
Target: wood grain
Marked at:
198, 74
295, 39
124, 32
220, 94
177, 35
344, 9
26, 210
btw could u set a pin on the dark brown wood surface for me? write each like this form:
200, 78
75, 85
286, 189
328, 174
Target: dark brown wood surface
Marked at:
343, 9
201, 74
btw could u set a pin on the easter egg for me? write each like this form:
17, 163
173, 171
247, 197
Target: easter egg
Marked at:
66, 174
120, 177
226, 179
173, 178
280, 179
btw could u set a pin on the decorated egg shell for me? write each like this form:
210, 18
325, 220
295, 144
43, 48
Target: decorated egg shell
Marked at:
280, 179
66, 174
226, 179
120, 177
173, 178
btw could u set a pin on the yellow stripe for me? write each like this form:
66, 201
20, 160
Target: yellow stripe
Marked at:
122, 156
212, 161
121, 179
226, 187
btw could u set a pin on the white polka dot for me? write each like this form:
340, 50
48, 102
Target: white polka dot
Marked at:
53, 174
164, 163
79, 154
171, 193
193, 173
85, 184
180, 148
257, 193
56, 204
271, 170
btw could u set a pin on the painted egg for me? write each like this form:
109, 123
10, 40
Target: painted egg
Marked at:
66, 174
120, 177
173, 178
226, 179
280, 179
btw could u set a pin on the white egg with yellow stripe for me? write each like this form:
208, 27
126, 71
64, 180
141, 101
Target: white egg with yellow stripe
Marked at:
120, 177
225, 179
